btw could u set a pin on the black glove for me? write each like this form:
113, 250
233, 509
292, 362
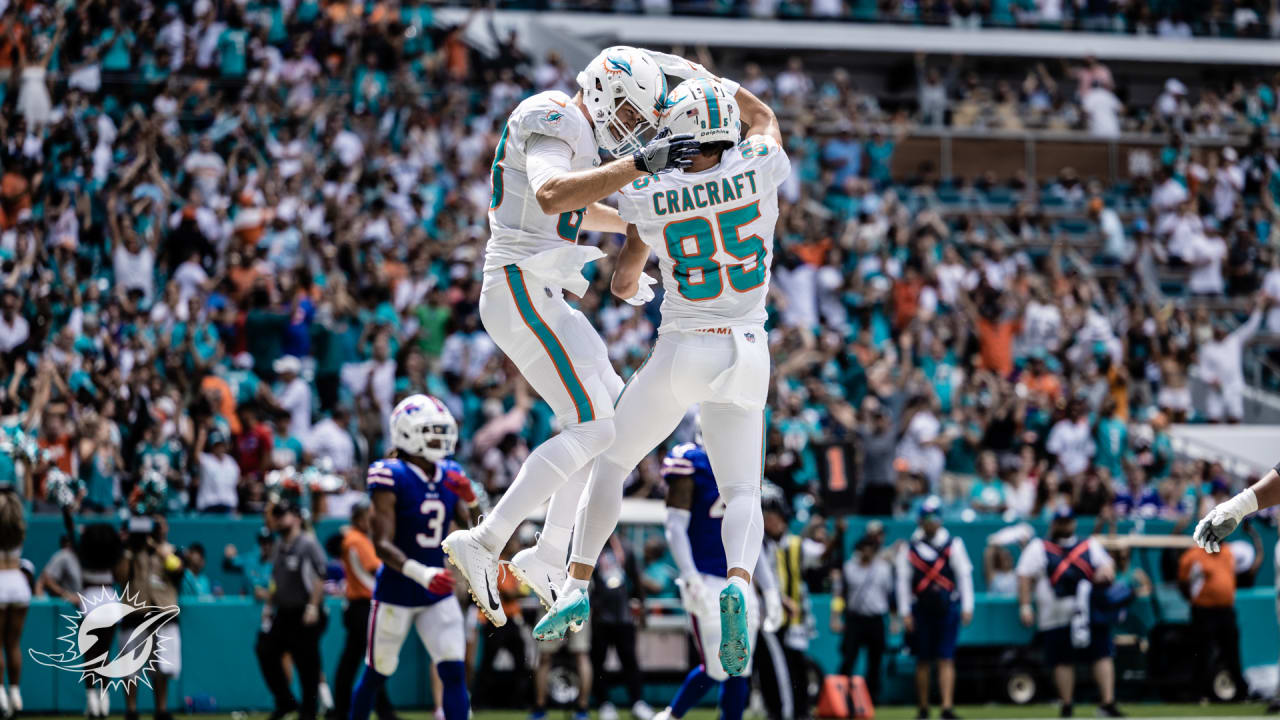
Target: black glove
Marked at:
665, 153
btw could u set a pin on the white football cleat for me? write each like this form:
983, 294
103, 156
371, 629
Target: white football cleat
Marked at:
542, 577
479, 567
15, 698
663, 714
641, 711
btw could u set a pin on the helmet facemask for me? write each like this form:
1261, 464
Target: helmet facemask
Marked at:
613, 134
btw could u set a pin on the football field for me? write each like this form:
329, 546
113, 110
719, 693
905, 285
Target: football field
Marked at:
968, 712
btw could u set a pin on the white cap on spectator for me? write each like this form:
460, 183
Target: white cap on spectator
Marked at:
1175, 86
243, 360
287, 364
1229, 154
166, 407
202, 7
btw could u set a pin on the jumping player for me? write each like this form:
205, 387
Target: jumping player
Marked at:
694, 514
712, 227
415, 496
547, 183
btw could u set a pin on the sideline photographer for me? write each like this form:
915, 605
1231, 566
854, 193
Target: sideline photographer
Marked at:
153, 570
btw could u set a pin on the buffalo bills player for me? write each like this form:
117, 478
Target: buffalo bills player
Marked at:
415, 495
695, 513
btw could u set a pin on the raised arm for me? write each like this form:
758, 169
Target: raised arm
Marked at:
758, 116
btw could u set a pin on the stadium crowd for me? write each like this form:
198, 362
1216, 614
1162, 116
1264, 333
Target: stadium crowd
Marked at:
1162, 19
232, 238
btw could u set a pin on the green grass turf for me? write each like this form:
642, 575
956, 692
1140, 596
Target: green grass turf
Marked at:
968, 712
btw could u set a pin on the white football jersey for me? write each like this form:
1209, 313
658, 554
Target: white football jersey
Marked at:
713, 233
517, 226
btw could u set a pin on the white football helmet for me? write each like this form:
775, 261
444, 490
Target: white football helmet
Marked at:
621, 75
421, 425
701, 107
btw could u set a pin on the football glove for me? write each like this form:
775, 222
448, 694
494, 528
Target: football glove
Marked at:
665, 153
644, 291
1215, 526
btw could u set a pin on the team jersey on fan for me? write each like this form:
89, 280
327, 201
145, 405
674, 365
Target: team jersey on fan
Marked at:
713, 234
517, 226
707, 511
424, 511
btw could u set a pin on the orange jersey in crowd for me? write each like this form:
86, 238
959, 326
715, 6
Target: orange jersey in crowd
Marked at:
356, 545
1212, 577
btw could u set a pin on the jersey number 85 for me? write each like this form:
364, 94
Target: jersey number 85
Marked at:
696, 272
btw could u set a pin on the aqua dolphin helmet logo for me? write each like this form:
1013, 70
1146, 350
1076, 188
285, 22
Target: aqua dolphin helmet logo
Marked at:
90, 635
613, 65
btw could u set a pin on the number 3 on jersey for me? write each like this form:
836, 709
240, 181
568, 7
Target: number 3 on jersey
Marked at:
434, 510
691, 243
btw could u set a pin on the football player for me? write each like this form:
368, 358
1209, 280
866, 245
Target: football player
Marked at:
547, 181
712, 228
694, 514
416, 493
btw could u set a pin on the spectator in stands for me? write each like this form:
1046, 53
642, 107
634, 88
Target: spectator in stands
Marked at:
935, 597
863, 594
256, 569
61, 576
1071, 440
933, 90
216, 473
195, 583
879, 440
1209, 582
1221, 364
1056, 568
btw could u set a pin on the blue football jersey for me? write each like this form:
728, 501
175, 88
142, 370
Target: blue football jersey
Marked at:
424, 513
707, 512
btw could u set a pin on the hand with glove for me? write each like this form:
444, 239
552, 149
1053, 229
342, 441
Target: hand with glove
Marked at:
772, 611
644, 291
461, 486
665, 153
438, 581
694, 591
1219, 522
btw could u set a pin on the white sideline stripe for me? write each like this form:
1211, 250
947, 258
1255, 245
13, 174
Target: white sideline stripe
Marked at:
970, 715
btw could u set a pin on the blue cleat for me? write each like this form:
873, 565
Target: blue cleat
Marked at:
569, 613
735, 646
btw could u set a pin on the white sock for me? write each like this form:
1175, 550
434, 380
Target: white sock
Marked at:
15, 698
4, 701
326, 696
557, 530
572, 583
537, 480
741, 582
742, 530
598, 511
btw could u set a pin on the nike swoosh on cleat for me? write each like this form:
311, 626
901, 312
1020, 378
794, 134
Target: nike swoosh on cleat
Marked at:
493, 604
552, 587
